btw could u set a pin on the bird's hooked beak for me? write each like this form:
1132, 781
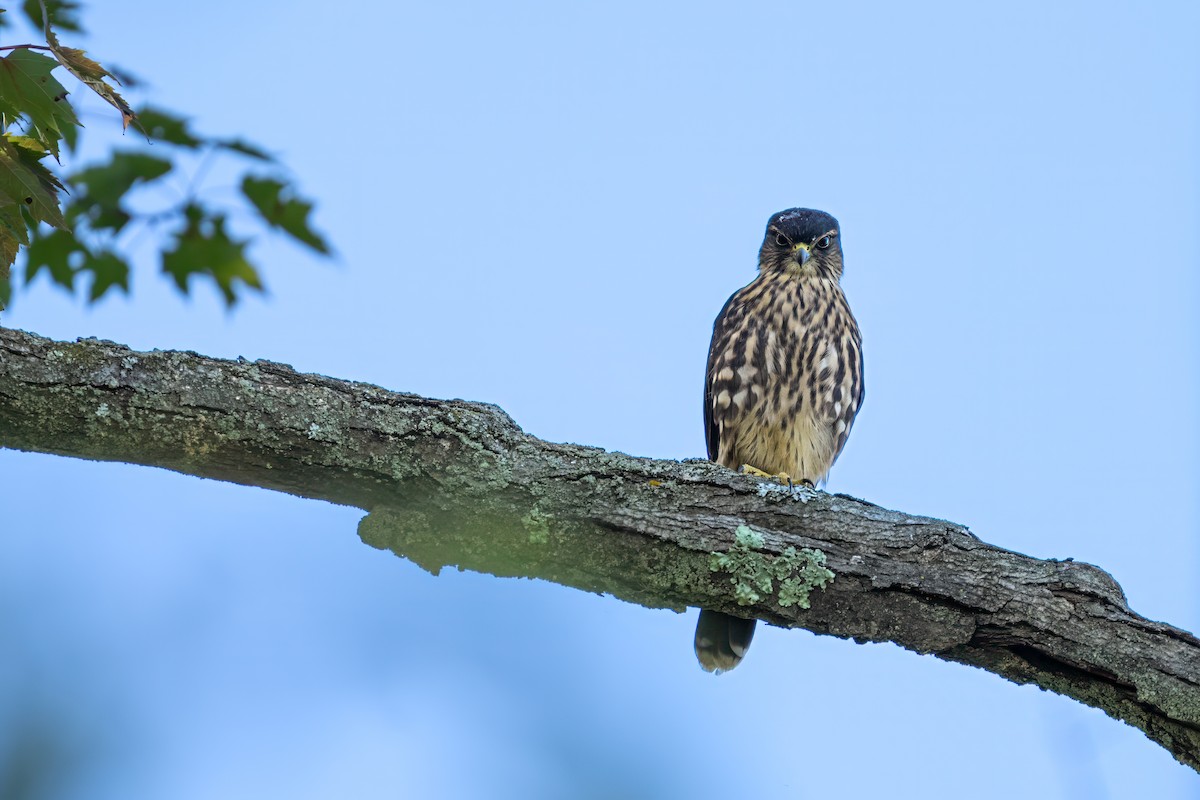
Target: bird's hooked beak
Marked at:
801, 253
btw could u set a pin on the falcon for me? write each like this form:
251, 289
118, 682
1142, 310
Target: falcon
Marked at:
784, 380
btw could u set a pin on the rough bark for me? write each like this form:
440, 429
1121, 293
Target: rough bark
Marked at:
458, 483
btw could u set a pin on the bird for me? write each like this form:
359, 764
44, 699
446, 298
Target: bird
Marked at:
784, 380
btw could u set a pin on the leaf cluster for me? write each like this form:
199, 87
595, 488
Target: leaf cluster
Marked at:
80, 224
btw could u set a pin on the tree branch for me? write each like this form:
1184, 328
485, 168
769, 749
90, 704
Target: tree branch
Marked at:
458, 483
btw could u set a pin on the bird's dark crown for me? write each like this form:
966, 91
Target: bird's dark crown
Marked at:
801, 224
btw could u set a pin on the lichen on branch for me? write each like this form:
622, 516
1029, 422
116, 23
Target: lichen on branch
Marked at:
753, 573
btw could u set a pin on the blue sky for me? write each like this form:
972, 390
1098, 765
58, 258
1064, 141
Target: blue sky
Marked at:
544, 207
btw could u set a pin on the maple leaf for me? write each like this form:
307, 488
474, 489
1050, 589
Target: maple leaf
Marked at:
28, 89
91, 73
24, 180
279, 208
53, 252
104, 186
166, 127
204, 248
108, 270
13, 234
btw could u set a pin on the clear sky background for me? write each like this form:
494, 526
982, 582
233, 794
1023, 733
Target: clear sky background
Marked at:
544, 206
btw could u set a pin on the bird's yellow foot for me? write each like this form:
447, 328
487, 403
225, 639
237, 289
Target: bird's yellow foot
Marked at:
782, 477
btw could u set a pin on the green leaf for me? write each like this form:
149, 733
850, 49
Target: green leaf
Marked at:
125, 77
91, 73
204, 248
104, 186
7, 199
63, 14
281, 209
53, 252
12, 225
108, 270
158, 124
244, 148
71, 136
66, 258
27, 88
13, 234
23, 178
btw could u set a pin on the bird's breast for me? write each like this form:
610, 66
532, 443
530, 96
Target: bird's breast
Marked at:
773, 387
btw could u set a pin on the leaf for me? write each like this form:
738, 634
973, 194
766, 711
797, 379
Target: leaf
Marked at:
164, 126
23, 178
104, 186
125, 77
279, 208
108, 270
12, 225
13, 234
53, 252
91, 73
49, 139
27, 88
62, 14
244, 148
204, 248
158, 124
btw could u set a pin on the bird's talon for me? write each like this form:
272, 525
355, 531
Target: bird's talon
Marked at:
781, 477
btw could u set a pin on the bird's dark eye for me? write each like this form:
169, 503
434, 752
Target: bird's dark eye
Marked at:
781, 240
824, 242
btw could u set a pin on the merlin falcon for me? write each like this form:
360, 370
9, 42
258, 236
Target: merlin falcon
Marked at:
784, 380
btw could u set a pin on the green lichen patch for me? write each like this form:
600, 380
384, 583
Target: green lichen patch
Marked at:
806, 571
753, 573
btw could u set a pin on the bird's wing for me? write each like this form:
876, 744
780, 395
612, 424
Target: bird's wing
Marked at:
720, 337
852, 386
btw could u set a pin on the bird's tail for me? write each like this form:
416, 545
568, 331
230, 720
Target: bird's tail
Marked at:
722, 640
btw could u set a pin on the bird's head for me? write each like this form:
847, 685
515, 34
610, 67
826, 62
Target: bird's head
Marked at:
804, 243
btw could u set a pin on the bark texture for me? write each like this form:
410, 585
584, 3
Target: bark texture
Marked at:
458, 483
